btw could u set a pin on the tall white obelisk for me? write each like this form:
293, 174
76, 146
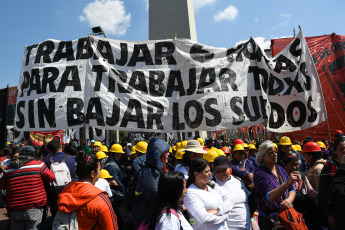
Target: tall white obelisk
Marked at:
167, 17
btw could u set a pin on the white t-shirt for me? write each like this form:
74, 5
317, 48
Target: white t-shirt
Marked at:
172, 222
183, 169
239, 216
103, 184
198, 201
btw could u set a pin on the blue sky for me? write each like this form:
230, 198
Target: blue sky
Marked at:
219, 23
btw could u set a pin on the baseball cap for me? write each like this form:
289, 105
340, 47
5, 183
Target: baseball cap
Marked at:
221, 162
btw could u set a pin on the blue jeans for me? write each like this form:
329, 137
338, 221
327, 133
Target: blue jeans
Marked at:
27, 219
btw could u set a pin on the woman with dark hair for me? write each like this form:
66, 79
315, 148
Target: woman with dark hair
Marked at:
313, 156
167, 213
91, 204
328, 172
207, 204
304, 201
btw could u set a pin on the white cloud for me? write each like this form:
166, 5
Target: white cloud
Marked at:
200, 3
256, 19
230, 13
285, 15
285, 19
260, 41
111, 15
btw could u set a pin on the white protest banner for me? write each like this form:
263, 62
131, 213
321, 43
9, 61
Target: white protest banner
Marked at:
166, 86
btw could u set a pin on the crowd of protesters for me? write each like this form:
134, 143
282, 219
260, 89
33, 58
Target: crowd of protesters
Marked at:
190, 184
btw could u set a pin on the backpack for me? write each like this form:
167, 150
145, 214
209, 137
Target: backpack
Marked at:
131, 195
61, 172
291, 219
332, 168
65, 221
145, 224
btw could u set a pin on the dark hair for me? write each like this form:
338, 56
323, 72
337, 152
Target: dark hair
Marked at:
197, 165
289, 157
185, 159
337, 142
170, 189
7, 152
70, 149
315, 156
85, 165
14, 151
53, 146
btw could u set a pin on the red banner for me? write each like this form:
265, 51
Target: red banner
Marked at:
37, 138
12, 95
328, 52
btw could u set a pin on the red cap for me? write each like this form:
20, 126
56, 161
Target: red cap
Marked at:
238, 142
338, 131
311, 147
225, 149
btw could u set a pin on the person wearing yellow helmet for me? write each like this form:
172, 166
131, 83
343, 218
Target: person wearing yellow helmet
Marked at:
193, 150
325, 152
102, 157
201, 141
284, 148
252, 154
95, 147
115, 169
140, 160
242, 167
210, 156
246, 151
103, 184
104, 149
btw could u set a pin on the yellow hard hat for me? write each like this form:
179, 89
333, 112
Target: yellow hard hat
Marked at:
101, 155
103, 148
285, 140
251, 146
201, 141
179, 155
220, 152
321, 144
183, 144
276, 146
141, 147
293, 147
105, 174
245, 145
253, 142
97, 143
238, 147
210, 155
116, 148
132, 150
299, 148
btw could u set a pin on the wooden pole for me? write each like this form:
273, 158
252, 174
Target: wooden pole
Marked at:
329, 133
